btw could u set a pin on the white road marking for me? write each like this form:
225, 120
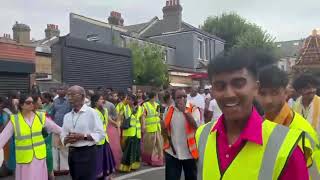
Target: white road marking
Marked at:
127, 176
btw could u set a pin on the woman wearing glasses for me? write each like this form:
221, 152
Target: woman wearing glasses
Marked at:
27, 127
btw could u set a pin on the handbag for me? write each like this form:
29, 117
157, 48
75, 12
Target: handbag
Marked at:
126, 122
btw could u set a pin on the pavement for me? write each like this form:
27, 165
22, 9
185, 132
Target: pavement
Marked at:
144, 173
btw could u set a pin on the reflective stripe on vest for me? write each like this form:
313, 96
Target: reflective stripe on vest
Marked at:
135, 126
29, 141
269, 157
152, 120
310, 144
202, 146
273, 146
30, 146
190, 132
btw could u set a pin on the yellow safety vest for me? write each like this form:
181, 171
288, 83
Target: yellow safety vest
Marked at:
263, 162
104, 118
153, 117
135, 125
29, 141
120, 106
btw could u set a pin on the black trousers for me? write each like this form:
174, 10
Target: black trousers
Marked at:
174, 168
82, 162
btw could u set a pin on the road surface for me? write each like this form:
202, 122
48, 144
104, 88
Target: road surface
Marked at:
145, 173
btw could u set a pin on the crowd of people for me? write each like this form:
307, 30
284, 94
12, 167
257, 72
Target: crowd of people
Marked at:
129, 130
253, 122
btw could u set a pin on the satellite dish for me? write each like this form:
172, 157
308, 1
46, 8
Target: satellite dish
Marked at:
1, 157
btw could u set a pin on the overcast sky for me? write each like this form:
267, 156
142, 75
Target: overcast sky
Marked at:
284, 19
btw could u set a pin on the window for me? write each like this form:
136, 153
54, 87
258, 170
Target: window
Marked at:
123, 42
92, 37
165, 55
205, 50
201, 49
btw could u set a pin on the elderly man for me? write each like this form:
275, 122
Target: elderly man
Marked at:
81, 130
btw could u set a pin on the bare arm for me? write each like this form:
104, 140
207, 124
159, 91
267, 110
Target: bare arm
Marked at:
53, 127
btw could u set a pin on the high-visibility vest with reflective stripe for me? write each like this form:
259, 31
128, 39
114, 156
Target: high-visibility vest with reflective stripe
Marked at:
29, 141
153, 117
135, 125
310, 145
254, 161
104, 118
310, 139
190, 132
120, 106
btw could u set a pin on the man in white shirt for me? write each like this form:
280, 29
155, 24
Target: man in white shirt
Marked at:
197, 100
214, 110
81, 130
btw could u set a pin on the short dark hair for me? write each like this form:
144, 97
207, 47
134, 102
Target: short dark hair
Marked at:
272, 77
175, 91
250, 58
151, 95
304, 80
166, 96
48, 96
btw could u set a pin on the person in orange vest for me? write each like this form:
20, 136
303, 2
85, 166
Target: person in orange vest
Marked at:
179, 143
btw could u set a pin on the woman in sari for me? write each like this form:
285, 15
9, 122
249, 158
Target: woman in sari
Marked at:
152, 138
105, 164
131, 116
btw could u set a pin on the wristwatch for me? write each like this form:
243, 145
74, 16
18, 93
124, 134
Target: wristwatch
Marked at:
85, 137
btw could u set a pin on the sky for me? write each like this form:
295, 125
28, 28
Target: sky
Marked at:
283, 19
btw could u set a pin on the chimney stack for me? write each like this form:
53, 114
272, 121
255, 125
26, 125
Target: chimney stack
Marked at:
6, 36
172, 15
52, 30
21, 33
115, 18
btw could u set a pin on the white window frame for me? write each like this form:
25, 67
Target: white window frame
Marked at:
205, 50
200, 48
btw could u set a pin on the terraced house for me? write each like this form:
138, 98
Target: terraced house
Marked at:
188, 49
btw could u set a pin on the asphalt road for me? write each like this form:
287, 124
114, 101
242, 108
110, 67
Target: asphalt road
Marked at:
145, 173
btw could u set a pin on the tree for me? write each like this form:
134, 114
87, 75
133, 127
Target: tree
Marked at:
148, 65
255, 38
238, 32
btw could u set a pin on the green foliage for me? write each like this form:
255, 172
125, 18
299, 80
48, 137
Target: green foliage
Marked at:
227, 27
255, 38
148, 65
238, 32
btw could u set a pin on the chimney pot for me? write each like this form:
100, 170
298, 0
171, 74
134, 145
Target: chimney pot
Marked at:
167, 3
178, 2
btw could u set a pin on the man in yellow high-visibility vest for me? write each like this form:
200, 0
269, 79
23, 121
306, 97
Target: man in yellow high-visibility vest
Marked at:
272, 96
241, 144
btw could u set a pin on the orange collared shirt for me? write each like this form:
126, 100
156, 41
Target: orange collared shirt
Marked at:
285, 116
